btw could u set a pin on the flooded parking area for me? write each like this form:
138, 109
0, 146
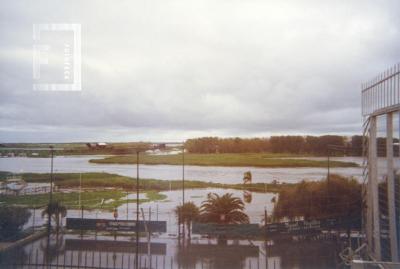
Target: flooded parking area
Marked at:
107, 251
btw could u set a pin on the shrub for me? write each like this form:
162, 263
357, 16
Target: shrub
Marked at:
12, 219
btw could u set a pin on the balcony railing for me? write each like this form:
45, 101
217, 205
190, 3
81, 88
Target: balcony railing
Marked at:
382, 93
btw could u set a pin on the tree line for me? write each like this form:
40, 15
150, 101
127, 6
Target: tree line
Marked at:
315, 145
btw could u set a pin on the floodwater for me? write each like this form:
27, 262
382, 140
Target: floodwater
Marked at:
172, 172
103, 250
100, 251
165, 251
255, 204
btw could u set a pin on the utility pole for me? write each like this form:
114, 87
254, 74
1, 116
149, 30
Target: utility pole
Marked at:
183, 187
183, 173
80, 188
51, 189
265, 236
329, 166
51, 173
127, 207
331, 147
137, 209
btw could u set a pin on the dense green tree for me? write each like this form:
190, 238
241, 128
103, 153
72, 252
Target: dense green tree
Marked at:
224, 209
186, 214
315, 145
338, 197
12, 219
355, 147
55, 210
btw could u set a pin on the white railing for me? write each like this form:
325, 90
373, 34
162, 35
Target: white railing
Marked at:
381, 92
360, 264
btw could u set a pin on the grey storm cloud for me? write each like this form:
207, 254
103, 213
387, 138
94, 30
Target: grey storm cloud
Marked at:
170, 70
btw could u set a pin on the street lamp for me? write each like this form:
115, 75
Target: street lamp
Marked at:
183, 185
137, 209
51, 189
333, 147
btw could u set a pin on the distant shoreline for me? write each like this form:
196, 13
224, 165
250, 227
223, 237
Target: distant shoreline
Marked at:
263, 160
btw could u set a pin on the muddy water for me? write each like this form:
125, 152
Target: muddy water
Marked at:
171, 172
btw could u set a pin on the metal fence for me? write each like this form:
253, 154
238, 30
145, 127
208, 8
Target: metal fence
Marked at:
382, 92
358, 264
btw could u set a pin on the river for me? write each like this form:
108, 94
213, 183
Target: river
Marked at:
78, 164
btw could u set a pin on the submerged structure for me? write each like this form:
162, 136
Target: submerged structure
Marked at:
381, 192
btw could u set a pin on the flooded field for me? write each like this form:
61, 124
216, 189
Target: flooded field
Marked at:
255, 203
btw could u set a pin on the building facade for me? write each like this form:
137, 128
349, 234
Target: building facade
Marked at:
381, 186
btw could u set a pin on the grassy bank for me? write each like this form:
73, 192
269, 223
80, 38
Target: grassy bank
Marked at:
226, 159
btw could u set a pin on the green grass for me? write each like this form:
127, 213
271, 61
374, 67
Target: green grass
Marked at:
225, 159
155, 196
151, 186
89, 199
72, 180
94, 184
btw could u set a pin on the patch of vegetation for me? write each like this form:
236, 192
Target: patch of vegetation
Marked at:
338, 197
225, 159
11, 220
106, 180
155, 196
94, 184
89, 199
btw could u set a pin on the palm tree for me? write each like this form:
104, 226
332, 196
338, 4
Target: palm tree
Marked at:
224, 209
53, 248
55, 210
186, 214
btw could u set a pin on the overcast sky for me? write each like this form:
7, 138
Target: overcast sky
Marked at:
171, 70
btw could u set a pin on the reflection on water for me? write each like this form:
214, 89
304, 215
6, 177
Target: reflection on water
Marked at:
74, 251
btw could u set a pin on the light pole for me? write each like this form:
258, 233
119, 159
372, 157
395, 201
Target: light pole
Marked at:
183, 173
183, 188
137, 209
329, 148
51, 189
51, 173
